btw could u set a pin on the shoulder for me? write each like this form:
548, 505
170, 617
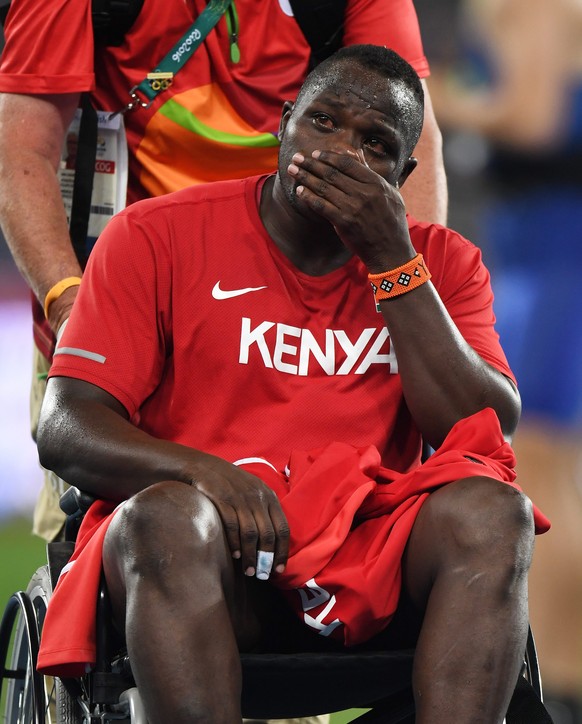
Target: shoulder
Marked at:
204, 198
453, 260
439, 241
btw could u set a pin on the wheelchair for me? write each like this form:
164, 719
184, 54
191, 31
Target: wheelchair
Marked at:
275, 686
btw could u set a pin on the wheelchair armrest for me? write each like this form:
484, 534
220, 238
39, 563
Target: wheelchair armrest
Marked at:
75, 502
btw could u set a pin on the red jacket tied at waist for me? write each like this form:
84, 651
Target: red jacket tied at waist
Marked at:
350, 519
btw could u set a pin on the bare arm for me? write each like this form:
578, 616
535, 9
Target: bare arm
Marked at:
31, 208
426, 194
443, 378
85, 437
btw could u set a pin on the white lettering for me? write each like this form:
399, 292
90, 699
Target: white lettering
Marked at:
313, 596
353, 351
373, 356
281, 348
102, 166
292, 350
256, 336
310, 347
194, 36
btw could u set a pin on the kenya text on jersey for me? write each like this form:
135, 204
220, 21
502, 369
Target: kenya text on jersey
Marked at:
291, 349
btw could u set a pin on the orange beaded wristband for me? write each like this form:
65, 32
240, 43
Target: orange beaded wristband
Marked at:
398, 281
55, 291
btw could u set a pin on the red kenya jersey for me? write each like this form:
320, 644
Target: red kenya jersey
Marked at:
195, 321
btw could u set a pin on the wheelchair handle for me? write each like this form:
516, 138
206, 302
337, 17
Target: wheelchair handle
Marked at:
74, 501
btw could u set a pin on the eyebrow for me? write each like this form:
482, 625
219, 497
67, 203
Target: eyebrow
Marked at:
335, 102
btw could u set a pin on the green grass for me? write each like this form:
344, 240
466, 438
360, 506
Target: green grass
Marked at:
21, 553
346, 716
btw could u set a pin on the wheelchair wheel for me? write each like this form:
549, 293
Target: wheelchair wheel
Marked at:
30, 698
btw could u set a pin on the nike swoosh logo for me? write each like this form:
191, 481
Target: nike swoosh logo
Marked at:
219, 293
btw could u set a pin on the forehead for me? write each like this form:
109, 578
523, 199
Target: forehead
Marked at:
351, 85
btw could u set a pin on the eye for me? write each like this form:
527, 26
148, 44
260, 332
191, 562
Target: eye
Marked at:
377, 146
322, 120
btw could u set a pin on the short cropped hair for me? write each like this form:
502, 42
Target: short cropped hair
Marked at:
386, 63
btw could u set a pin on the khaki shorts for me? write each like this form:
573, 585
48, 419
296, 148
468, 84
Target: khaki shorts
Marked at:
48, 519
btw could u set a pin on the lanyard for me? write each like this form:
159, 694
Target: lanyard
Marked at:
161, 77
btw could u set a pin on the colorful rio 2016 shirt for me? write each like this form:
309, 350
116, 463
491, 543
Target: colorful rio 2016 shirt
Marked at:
208, 335
219, 119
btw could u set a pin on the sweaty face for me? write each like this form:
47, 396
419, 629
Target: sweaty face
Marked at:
353, 111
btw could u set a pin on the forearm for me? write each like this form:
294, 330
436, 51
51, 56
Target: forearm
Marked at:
31, 208
425, 192
439, 370
94, 447
85, 437
38, 236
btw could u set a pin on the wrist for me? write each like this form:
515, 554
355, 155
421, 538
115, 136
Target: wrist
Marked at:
380, 263
60, 310
404, 278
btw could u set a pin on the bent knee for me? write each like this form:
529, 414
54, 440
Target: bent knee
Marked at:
483, 516
160, 516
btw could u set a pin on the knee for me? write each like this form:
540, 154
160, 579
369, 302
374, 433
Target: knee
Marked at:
165, 523
484, 520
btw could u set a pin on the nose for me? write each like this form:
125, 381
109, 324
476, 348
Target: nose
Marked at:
350, 150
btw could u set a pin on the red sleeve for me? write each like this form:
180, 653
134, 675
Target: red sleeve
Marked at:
49, 47
392, 23
464, 285
116, 335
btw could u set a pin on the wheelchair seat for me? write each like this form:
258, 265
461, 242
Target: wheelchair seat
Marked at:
275, 686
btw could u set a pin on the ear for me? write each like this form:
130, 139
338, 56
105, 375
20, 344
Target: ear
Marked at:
286, 114
409, 167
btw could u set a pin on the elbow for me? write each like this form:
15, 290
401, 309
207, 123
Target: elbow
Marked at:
49, 449
55, 449
509, 411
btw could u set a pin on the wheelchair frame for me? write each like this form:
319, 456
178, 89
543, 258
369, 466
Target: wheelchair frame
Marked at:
302, 684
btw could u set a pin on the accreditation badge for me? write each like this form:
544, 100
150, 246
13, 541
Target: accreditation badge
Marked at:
110, 179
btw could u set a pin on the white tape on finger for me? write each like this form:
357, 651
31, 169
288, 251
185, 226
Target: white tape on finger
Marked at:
264, 564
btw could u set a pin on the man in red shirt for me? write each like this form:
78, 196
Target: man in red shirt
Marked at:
217, 120
252, 361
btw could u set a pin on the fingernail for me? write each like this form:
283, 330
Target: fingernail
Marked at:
298, 158
292, 169
236, 554
316, 154
250, 571
280, 568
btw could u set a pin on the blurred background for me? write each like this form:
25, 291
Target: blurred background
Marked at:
507, 89
506, 85
20, 476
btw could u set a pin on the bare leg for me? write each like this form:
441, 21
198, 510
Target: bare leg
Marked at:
467, 563
172, 581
